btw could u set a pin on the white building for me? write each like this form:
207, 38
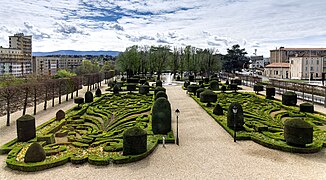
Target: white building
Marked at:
306, 66
278, 70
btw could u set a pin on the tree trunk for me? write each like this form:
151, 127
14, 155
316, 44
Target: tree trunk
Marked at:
25, 101
59, 93
35, 101
53, 96
46, 97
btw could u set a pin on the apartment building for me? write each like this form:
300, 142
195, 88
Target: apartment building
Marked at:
307, 66
282, 54
49, 65
16, 59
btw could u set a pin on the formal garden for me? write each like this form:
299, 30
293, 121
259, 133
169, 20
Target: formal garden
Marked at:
121, 126
272, 123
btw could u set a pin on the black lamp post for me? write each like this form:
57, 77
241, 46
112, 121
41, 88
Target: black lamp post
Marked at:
177, 112
235, 110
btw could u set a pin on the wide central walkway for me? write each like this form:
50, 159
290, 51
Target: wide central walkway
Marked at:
206, 151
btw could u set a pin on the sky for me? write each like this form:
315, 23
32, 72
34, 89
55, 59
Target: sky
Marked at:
117, 24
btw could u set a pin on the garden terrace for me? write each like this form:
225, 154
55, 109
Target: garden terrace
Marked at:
264, 121
91, 134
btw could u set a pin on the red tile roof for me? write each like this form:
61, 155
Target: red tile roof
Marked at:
278, 65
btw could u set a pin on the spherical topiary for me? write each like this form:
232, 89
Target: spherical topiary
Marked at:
26, 128
134, 141
178, 78
200, 82
98, 92
34, 153
158, 83
270, 92
161, 94
193, 88
298, 132
200, 90
215, 79
234, 87
191, 78
88, 97
307, 107
116, 89
289, 98
206, 80
186, 84
258, 87
131, 87
60, 115
213, 85
237, 118
223, 88
218, 110
208, 96
161, 116
79, 101
159, 88
144, 89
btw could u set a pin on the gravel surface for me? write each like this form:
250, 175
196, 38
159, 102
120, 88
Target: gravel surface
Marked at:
206, 151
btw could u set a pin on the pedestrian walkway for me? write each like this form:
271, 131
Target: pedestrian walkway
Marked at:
206, 151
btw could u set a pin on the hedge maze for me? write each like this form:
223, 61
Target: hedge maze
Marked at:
264, 122
92, 132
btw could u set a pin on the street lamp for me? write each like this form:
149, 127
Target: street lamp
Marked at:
177, 112
235, 110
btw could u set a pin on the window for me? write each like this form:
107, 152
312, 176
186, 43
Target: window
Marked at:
270, 71
316, 74
306, 61
291, 61
306, 68
312, 61
311, 68
317, 62
317, 68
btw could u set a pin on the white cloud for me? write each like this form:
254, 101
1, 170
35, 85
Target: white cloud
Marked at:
115, 25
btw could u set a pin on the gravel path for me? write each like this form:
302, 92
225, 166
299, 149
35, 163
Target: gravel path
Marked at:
206, 151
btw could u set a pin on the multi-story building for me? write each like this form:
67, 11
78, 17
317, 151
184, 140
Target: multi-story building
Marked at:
49, 65
278, 70
306, 66
16, 59
282, 54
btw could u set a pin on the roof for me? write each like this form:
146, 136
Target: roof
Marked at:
300, 49
278, 65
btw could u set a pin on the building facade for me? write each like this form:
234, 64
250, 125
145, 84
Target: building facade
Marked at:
49, 65
305, 67
282, 55
278, 70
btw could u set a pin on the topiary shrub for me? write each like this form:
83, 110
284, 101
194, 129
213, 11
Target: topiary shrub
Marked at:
206, 80
158, 83
123, 78
289, 98
213, 85
88, 97
79, 101
134, 141
34, 153
238, 116
98, 92
270, 92
193, 88
26, 128
234, 87
60, 115
146, 83
161, 94
161, 116
223, 88
142, 81
218, 110
208, 96
227, 82
111, 83
258, 87
131, 87
159, 88
236, 81
215, 78
132, 80
200, 90
307, 107
298, 132
191, 78
144, 89
178, 78
200, 82
116, 89
186, 84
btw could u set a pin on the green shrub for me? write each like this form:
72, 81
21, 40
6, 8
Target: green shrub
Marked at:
258, 87
238, 117
134, 141
161, 94
88, 97
26, 128
236, 81
142, 81
227, 82
133, 80
60, 115
178, 78
206, 80
116, 89
270, 92
289, 98
307, 107
144, 89
34, 153
218, 110
208, 96
191, 78
98, 92
200, 90
79, 100
158, 83
131, 87
213, 85
186, 84
298, 132
200, 82
161, 116
159, 88
193, 88
48, 138
234, 87
223, 88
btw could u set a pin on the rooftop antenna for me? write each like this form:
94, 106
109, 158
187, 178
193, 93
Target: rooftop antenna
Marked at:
255, 53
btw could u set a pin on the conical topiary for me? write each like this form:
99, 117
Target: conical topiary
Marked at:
116, 89
98, 92
161, 94
161, 116
159, 88
218, 110
34, 153
88, 97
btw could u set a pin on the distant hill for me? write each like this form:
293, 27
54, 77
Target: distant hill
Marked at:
79, 53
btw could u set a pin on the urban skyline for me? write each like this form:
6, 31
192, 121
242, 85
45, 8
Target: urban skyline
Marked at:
115, 25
